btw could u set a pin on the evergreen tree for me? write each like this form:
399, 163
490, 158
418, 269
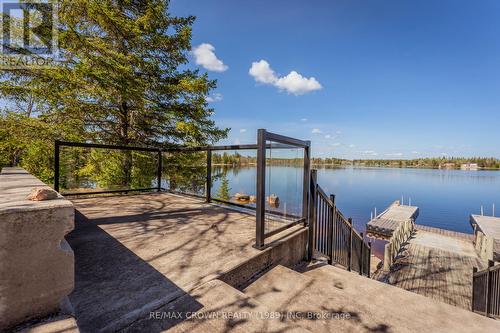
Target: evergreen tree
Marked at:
224, 189
119, 76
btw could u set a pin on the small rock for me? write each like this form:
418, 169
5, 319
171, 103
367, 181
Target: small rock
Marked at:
42, 194
274, 201
242, 197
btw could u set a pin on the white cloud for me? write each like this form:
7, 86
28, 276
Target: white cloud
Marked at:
415, 152
262, 72
316, 131
296, 84
243, 130
352, 146
328, 136
303, 119
335, 144
214, 98
293, 83
394, 154
204, 55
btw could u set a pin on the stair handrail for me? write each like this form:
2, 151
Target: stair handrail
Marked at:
486, 290
326, 240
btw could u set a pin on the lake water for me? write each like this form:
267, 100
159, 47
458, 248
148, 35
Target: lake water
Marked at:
446, 198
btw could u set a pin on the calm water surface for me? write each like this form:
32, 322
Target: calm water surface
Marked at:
446, 198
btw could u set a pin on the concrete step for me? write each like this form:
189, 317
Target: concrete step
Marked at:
288, 291
56, 324
215, 307
373, 306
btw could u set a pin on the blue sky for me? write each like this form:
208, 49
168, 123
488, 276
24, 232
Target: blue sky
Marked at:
360, 79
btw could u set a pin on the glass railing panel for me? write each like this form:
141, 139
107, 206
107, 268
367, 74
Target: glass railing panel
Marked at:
283, 185
84, 169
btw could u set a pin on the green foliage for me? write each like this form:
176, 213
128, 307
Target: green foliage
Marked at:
29, 142
119, 81
104, 169
223, 193
186, 171
239, 160
434, 163
430, 163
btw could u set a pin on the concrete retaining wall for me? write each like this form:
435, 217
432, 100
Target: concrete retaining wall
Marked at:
36, 262
288, 252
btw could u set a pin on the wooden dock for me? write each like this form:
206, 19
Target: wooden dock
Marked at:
384, 224
489, 226
438, 264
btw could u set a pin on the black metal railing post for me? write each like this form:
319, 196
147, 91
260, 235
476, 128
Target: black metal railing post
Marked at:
369, 267
361, 255
331, 228
56, 165
208, 191
349, 266
312, 214
474, 271
261, 185
491, 263
307, 179
160, 169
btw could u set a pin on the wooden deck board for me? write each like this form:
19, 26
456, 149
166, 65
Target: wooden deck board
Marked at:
445, 232
439, 266
384, 224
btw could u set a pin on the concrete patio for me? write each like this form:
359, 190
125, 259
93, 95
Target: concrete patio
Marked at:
137, 253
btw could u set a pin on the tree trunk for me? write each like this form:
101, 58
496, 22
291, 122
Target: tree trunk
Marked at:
125, 141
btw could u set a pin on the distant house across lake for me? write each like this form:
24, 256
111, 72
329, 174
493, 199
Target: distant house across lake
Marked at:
469, 166
447, 166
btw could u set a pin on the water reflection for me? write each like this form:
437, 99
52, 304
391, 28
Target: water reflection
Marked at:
446, 197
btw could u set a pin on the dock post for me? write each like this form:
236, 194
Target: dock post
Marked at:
387, 257
350, 245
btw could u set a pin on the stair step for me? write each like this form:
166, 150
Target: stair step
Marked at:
286, 290
219, 296
230, 311
373, 306
275, 287
57, 324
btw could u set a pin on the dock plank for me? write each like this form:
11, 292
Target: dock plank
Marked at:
439, 266
383, 225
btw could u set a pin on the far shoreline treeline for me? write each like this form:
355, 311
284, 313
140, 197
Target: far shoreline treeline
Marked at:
450, 163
